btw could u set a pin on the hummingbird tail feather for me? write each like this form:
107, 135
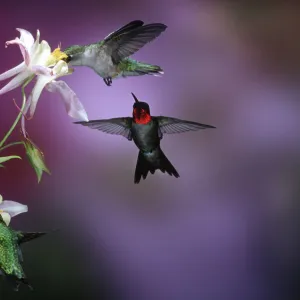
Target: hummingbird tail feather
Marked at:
150, 162
135, 68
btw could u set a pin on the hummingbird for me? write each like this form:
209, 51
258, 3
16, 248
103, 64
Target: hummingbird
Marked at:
146, 131
11, 258
109, 57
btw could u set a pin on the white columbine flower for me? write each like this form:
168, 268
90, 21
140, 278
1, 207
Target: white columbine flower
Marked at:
47, 66
9, 209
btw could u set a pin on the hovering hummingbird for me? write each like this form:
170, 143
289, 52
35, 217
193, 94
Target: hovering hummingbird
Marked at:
109, 58
146, 131
11, 255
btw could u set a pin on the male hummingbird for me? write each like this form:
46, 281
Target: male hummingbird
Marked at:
11, 255
109, 58
146, 131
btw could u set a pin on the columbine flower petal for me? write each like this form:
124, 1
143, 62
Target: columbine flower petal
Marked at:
47, 66
13, 208
36, 92
12, 72
72, 104
41, 54
60, 69
9, 209
23, 48
5, 217
74, 108
15, 82
41, 70
35, 56
26, 37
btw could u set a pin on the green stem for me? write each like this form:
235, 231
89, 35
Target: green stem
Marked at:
11, 144
20, 113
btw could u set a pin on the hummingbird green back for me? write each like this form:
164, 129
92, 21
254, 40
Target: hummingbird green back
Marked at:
10, 252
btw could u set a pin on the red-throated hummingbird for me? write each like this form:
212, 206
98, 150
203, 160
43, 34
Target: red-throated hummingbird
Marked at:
146, 131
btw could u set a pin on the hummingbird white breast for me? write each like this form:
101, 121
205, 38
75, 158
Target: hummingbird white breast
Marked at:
99, 61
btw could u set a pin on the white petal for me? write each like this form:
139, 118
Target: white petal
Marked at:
41, 70
1, 199
12, 72
16, 82
41, 54
36, 92
73, 106
60, 69
36, 43
23, 48
6, 218
13, 208
37, 40
26, 37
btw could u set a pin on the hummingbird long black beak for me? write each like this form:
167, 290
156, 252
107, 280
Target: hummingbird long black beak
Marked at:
135, 98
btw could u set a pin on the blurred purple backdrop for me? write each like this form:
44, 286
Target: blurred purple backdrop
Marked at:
228, 228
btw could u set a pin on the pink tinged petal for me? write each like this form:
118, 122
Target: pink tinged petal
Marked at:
15, 82
23, 48
36, 92
41, 70
6, 218
73, 106
13, 208
26, 37
12, 72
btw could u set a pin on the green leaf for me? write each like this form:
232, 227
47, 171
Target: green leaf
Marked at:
6, 158
36, 159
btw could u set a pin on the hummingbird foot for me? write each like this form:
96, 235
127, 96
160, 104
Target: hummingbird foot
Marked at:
108, 81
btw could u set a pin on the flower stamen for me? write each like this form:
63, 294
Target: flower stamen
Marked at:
56, 56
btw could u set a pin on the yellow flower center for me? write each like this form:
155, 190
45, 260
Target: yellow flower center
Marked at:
1, 211
56, 56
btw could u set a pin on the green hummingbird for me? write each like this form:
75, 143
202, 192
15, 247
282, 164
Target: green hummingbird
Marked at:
11, 255
109, 57
146, 131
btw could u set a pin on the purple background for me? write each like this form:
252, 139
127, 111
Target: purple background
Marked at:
228, 228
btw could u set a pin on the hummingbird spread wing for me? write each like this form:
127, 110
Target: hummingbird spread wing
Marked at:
119, 126
130, 26
172, 125
77, 49
131, 38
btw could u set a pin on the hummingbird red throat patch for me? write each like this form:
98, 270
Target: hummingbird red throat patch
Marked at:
140, 116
